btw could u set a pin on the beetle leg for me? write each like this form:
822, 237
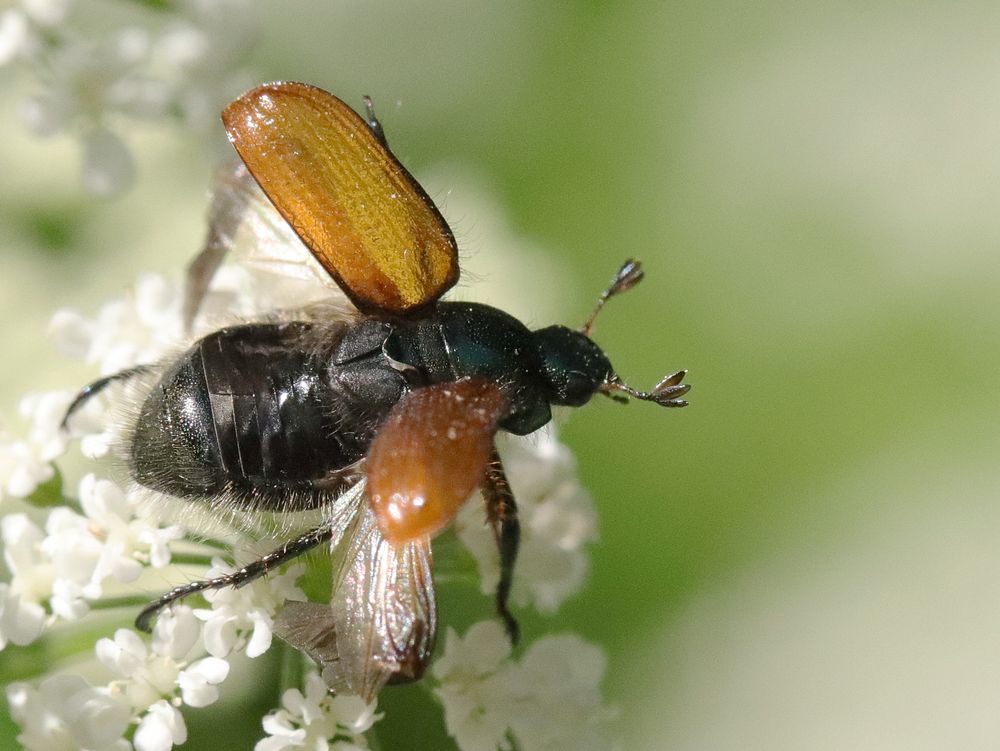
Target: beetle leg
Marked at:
240, 577
93, 389
501, 512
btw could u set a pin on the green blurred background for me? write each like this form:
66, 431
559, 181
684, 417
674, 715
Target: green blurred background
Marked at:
807, 556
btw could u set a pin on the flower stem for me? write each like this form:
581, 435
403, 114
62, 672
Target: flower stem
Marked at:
191, 559
110, 603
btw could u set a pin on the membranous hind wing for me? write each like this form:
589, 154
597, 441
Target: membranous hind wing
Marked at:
244, 226
384, 607
364, 217
381, 622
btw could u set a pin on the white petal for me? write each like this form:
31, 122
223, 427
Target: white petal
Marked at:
95, 719
219, 634
21, 622
96, 445
483, 649
67, 600
162, 728
281, 742
176, 632
101, 498
277, 723
198, 682
353, 713
66, 712
27, 476
211, 669
473, 725
260, 640
564, 661
125, 655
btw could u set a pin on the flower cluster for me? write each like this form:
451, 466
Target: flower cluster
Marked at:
180, 61
549, 699
72, 546
62, 565
315, 718
62, 568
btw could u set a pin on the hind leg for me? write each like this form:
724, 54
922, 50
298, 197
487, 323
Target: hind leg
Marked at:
242, 577
93, 389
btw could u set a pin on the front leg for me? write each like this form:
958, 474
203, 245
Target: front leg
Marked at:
501, 513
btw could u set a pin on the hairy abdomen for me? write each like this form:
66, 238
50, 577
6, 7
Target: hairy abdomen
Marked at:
249, 412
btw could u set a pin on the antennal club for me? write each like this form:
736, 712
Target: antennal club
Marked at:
666, 393
629, 275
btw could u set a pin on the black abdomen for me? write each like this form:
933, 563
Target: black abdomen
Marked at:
250, 412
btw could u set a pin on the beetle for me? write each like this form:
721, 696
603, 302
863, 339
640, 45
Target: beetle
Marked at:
380, 409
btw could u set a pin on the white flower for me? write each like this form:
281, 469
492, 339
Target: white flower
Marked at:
21, 620
135, 329
26, 463
125, 655
557, 520
316, 719
21, 470
148, 675
144, 678
67, 564
198, 682
473, 687
74, 552
176, 632
128, 540
23, 616
161, 729
107, 542
243, 618
182, 61
67, 713
557, 699
548, 700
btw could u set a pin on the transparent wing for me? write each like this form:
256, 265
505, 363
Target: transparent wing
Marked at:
381, 622
244, 225
384, 607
